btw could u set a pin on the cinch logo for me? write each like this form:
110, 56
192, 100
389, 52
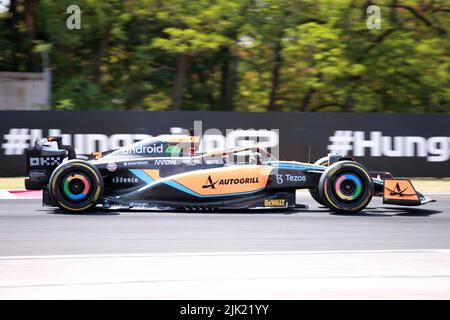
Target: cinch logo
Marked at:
44, 161
212, 184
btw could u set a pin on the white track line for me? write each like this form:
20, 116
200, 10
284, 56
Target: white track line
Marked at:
212, 254
358, 274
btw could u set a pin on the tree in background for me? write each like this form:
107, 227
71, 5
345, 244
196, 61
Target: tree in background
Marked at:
243, 55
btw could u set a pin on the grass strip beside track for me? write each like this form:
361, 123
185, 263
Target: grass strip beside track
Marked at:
12, 183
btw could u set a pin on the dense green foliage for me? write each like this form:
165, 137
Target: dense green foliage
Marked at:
243, 55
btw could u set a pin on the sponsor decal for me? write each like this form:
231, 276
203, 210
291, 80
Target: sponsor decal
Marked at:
124, 180
295, 178
137, 204
135, 163
280, 178
397, 191
289, 178
154, 148
165, 162
173, 149
214, 161
210, 183
45, 161
36, 173
112, 166
275, 202
191, 162
173, 162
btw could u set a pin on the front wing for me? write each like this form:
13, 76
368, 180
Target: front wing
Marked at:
402, 192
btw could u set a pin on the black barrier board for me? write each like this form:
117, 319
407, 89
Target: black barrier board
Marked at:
407, 145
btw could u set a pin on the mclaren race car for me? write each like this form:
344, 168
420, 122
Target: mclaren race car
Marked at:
164, 173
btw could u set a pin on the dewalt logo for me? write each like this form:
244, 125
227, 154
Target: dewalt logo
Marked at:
275, 202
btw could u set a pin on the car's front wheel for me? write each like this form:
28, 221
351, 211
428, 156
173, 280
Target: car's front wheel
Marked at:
346, 187
76, 186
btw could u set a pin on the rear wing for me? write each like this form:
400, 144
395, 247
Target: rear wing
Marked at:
402, 192
41, 161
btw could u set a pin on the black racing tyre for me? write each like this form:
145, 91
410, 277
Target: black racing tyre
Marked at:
315, 192
346, 187
76, 186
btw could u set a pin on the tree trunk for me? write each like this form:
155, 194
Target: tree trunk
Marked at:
224, 77
31, 33
228, 80
209, 98
307, 99
349, 101
101, 53
278, 60
14, 35
180, 79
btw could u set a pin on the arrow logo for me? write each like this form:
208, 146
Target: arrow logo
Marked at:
398, 191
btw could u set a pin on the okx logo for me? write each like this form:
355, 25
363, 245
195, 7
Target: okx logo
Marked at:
45, 161
209, 183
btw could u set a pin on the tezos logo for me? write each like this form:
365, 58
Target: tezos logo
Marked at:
294, 178
280, 178
44, 161
289, 178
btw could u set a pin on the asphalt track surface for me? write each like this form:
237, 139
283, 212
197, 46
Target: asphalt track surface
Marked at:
386, 252
26, 228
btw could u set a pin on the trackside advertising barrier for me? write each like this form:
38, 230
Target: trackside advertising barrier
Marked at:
409, 145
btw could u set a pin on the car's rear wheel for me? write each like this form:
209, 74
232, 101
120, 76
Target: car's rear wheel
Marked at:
346, 187
76, 186
315, 192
